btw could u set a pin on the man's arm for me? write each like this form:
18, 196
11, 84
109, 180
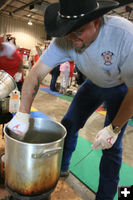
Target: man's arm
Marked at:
20, 123
125, 111
31, 85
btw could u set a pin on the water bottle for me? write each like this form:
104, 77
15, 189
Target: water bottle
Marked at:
14, 101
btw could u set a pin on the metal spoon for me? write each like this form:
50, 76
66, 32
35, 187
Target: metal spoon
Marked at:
83, 157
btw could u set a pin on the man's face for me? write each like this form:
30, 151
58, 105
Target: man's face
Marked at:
85, 35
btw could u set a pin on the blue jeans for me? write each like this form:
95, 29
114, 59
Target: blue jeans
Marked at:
88, 98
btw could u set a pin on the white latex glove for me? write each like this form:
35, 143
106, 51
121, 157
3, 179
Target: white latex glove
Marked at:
19, 125
104, 139
18, 76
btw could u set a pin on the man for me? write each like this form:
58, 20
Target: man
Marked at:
102, 48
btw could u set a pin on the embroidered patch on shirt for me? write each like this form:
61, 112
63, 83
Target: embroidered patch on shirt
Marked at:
107, 56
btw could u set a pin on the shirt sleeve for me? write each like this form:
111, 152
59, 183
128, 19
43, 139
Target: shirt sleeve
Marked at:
55, 55
126, 70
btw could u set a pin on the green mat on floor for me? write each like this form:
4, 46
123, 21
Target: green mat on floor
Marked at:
68, 98
88, 169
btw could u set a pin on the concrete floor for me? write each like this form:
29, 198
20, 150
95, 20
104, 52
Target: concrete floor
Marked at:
55, 108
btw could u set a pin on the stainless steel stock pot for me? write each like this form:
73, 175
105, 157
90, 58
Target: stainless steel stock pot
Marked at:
32, 166
7, 84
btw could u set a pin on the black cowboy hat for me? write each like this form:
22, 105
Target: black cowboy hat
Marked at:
68, 15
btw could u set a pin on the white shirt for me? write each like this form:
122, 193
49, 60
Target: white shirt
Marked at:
107, 62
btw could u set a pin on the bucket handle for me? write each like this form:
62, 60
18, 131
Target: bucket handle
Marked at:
46, 153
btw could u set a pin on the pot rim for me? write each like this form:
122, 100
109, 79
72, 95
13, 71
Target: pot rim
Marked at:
37, 144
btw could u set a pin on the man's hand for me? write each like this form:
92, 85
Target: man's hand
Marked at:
19, 125
18, 76
104, 139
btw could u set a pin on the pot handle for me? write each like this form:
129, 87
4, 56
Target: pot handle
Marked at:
46, 153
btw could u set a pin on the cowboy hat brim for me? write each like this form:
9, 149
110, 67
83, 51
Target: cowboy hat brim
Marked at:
56, 26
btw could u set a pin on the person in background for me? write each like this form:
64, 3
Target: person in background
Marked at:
64, 71
19, 78
11, 61
34, 55
19, 81
54, 73
102, 48
72, 66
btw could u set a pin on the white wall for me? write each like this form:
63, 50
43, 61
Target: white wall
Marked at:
26, 36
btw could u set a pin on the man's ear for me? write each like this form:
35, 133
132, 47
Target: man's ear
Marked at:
97, 22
